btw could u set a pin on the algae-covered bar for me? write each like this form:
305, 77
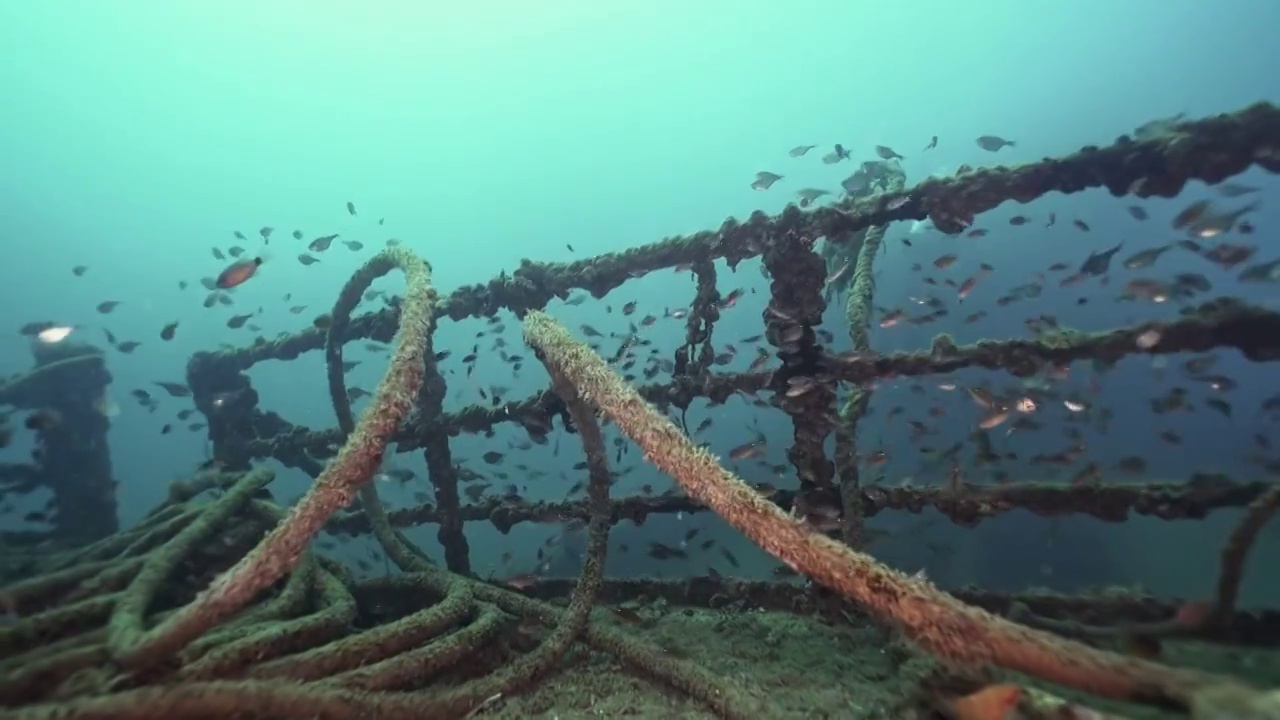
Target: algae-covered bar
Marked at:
218, 604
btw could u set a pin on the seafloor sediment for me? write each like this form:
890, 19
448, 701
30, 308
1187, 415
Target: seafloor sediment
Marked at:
810, 670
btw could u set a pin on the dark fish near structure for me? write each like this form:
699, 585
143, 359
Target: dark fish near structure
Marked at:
1190, 214
43, 420
1152, 290
1262, 272
993, 143
107, 306
1098, 263
836, 155
175, 389
79, 270
808, 195
351, 208
1158, 128
306, 259
800, 150
765, 180
265, 232
1231, 190
322, 243
1146, 258
1191, 282
856, 183
168, 331
1212, 224
888, 153
237, 273
933, 143
1137, 213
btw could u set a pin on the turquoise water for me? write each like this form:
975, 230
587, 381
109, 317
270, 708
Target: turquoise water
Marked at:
138, 136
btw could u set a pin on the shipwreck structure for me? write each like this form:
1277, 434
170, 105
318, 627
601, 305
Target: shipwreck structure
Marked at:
257, 625
72, 458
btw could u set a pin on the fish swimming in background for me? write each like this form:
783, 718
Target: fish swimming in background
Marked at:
1210, 223
993, 143
321, 244
1158, 128
35, 329
1190, 214
1146, 258
856, 183
920, 226
808, 195
765, 180
1263, 272
888, 153
799, 150
1098, 263
1232, 189
836, 155
237, 273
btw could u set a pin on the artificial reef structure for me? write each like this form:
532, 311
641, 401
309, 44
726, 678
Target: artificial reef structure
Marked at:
215, 605
72, 459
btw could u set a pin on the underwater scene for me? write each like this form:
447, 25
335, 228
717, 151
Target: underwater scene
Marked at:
640, 360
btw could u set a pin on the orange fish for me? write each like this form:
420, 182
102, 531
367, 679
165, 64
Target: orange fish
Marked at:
238, 272
522, 582
1193, 614
993, 702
